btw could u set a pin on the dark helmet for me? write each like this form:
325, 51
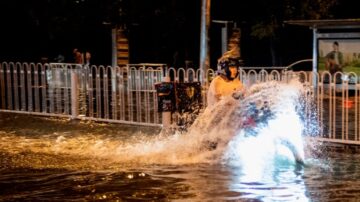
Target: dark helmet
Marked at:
225, 63
229, 62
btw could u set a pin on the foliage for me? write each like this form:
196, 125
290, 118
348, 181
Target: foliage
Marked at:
262, 29
275, 12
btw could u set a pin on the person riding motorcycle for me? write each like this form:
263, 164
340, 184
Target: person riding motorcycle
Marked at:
227, 81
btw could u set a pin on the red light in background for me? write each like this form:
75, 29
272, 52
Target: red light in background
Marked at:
348, 104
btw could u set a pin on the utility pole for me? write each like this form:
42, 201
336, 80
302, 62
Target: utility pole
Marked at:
204, 46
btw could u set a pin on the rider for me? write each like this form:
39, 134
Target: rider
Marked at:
227, 81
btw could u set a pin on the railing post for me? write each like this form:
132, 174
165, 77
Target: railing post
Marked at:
166, 116
74, 94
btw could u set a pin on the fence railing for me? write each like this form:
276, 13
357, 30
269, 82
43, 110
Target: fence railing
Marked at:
120, 94
127, 94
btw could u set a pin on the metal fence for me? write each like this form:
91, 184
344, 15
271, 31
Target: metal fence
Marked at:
119, 94
127, 94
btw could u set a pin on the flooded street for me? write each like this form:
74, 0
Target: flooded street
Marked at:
35, 166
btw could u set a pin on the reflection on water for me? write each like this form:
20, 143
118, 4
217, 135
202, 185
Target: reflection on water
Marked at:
343, 117
57, 159
326, 179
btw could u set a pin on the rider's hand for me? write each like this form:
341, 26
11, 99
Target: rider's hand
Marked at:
238, 95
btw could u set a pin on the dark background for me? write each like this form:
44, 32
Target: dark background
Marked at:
159, 31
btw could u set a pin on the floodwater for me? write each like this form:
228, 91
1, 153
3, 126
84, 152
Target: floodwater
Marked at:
54, 159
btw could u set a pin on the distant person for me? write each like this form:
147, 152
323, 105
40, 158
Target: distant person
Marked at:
87, 58
227, 82
78, 56
334, 60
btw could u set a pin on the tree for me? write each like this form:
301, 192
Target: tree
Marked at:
274, 12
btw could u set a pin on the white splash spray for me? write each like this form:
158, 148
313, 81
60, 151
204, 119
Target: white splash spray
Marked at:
218, 135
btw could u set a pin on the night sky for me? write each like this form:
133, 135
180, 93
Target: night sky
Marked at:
160, 31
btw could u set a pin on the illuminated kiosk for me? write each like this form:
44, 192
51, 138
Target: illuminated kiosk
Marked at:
342, 33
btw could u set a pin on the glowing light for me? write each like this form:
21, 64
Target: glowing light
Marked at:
348, 104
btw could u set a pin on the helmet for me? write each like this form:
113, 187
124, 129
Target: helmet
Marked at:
229, 59
229, 62
225, 63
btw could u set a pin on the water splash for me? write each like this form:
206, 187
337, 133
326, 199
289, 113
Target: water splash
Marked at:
227, 122
219, 135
